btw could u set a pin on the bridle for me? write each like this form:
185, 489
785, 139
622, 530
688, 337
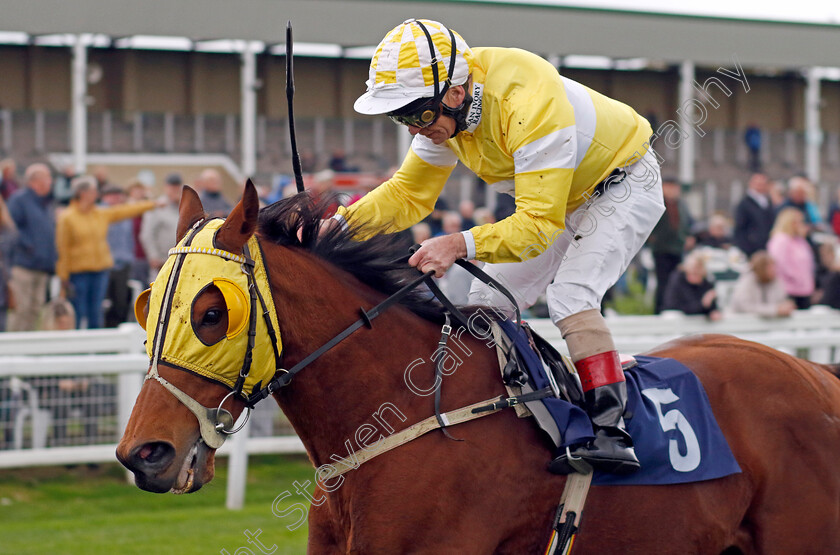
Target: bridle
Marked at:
215, 424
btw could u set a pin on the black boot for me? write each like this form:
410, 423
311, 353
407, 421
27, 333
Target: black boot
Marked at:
612, 449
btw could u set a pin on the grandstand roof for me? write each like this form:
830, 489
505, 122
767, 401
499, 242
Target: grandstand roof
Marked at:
540, 25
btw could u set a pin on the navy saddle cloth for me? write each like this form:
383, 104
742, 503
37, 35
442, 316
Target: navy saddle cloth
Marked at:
676, 436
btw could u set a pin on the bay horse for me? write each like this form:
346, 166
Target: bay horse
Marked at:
490, 492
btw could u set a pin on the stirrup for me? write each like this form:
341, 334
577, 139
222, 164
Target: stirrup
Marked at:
580, 465
567, 463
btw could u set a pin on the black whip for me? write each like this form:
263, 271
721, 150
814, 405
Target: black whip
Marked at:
290, 94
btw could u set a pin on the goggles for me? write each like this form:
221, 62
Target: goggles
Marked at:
420, 113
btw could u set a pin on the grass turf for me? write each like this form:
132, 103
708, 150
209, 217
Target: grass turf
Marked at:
85, 510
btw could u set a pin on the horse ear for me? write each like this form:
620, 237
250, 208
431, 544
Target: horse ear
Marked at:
241, 223
189, 211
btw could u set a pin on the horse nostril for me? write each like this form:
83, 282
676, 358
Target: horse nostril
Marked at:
154, 454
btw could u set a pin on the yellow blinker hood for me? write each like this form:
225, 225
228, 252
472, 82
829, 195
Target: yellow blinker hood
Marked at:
198, 264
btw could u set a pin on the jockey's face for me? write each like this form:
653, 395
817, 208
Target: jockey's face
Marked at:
444, 126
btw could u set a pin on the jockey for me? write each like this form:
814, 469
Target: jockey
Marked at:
587, 187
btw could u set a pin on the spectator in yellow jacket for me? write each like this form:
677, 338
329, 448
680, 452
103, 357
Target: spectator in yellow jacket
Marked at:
84, 257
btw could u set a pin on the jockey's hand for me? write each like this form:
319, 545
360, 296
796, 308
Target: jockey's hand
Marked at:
326, 225
439, 253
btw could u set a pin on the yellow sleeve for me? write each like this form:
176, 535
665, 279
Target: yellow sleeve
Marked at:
541, 136
123, 211
539, 219
63, 240
402, 201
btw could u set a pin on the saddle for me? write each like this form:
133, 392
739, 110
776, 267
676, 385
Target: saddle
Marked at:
531, 367
668, 414
548, 385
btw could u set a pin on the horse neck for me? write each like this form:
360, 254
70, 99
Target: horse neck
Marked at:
361, 381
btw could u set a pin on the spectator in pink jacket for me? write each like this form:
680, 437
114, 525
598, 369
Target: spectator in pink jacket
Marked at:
793, 255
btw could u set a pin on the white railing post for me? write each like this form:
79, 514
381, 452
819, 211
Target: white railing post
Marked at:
230, 133
710, 198
262, 132
736, 192
813, 131
686, 94
349, 143
833, 149
40, 140
790, 156
719, 146
198, 132
6, 116
107, 131
128, 388
238, 468
377, 133
319, 136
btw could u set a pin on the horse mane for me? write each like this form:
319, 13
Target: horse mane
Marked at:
380, 261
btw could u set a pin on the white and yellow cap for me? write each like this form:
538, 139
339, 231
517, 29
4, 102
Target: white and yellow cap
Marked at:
401, 67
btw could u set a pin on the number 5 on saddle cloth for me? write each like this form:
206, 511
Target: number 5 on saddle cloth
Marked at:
668, 415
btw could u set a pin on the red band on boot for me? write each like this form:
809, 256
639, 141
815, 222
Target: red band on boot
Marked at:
598, 370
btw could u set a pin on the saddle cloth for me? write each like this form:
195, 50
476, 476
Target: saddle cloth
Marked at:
676, 436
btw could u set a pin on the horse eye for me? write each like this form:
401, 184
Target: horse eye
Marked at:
212, 317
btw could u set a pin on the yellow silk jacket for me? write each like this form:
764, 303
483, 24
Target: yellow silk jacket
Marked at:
532, 133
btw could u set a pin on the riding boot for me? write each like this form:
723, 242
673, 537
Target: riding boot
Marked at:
605, 396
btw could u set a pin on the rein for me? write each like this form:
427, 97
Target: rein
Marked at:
366, 320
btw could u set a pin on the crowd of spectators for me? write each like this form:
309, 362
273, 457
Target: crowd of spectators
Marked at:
96, 236
74, 243
775, 251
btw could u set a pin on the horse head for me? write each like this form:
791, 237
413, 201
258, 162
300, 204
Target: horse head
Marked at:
201, 315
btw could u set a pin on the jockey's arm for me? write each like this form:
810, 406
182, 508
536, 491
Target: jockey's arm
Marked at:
406, 198
541, 137
538, 220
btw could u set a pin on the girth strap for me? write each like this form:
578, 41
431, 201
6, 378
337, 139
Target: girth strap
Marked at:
451, 418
